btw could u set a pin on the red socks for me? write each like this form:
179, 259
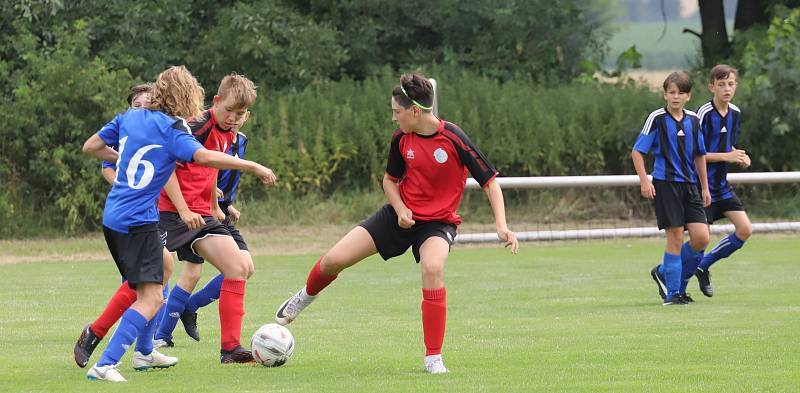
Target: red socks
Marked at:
231, 311
317, 280
434, 318
122, 299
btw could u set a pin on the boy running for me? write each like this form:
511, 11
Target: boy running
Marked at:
719, 124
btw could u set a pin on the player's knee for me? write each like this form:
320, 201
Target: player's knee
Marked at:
330, 264
432, 269
699, 241
744, 232
238, 270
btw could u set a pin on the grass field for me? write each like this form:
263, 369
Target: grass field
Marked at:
571, 317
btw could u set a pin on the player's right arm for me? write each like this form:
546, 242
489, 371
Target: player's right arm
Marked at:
644, 142
395, 170
645, 185
173, 190
109, 174
96, 147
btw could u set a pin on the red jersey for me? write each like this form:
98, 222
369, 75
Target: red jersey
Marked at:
197, 181
432, 170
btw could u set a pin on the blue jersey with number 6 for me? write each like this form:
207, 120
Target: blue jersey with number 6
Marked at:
150, 142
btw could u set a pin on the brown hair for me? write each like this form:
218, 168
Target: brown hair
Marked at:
722, 71
417, 88
176, 92
138, 90
242, 90
680, 79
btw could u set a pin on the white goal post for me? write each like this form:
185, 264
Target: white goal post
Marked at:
621, 181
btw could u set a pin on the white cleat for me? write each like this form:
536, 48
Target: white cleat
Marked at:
291, 308
161, 343
108, 373
154, 360
435, 365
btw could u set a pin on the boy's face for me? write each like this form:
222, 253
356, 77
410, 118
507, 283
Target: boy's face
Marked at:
241, 122
140, 101
675, 98
404, 118
724, 89
226, 113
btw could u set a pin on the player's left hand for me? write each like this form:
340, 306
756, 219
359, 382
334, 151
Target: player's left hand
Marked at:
218, 213
509, 238
706, 198
234, 214
220, 194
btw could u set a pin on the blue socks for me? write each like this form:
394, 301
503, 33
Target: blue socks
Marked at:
160, 313
144, 340
205, 296
690, 259
670, 269
174, 308
724, 249
131, 324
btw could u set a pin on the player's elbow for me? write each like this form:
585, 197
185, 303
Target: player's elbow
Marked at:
202, 157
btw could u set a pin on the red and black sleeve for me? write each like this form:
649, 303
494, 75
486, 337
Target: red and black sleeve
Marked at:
395, 165
478, 165
201, 127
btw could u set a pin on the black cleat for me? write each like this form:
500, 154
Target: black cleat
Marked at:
675, 301
86, 344
662, 286
239, 354
704, 279
686, 298
189, 320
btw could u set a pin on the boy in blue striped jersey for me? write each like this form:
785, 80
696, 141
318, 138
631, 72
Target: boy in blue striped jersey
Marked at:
672, 135
719, 124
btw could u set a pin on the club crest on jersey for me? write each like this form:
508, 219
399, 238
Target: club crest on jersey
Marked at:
723, 130
410, 153
680, 133
440, 155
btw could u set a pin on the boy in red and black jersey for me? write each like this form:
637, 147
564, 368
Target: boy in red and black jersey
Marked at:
191, 219
425, 176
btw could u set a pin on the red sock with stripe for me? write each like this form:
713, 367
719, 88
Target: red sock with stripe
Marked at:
231, 311
122, 299
434, 319
317, 280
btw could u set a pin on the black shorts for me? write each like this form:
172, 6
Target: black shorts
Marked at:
237, 237
717, 209
677, 204
181, 240
391, 240
138, 254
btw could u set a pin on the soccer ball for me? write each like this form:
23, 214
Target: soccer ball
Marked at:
272, 345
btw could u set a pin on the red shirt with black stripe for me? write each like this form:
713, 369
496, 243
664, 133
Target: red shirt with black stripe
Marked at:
197, 181
432, 171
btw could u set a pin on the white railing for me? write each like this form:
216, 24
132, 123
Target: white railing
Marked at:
621, 181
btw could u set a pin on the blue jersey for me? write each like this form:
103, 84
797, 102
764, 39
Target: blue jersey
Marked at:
674, 144
149, 144
721, 134
228, 180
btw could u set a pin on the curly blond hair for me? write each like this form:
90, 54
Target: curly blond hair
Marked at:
176, 92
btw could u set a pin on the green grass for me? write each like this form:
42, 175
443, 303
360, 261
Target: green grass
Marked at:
571, 317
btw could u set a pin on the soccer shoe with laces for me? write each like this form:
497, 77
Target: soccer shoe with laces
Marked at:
292, 307
239, 354
435, 365
686, 298
154, 360
86, 344
704, 279
189, 320
662, 286
675, 301
163, 342
105, 373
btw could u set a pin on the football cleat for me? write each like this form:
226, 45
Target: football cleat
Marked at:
662, 286
189, 320
105, 373
85, 345
163, 342
239, 354
292, 307
153, 360
435, 365
704, 279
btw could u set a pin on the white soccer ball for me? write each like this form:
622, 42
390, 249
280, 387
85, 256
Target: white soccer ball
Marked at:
272, 345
